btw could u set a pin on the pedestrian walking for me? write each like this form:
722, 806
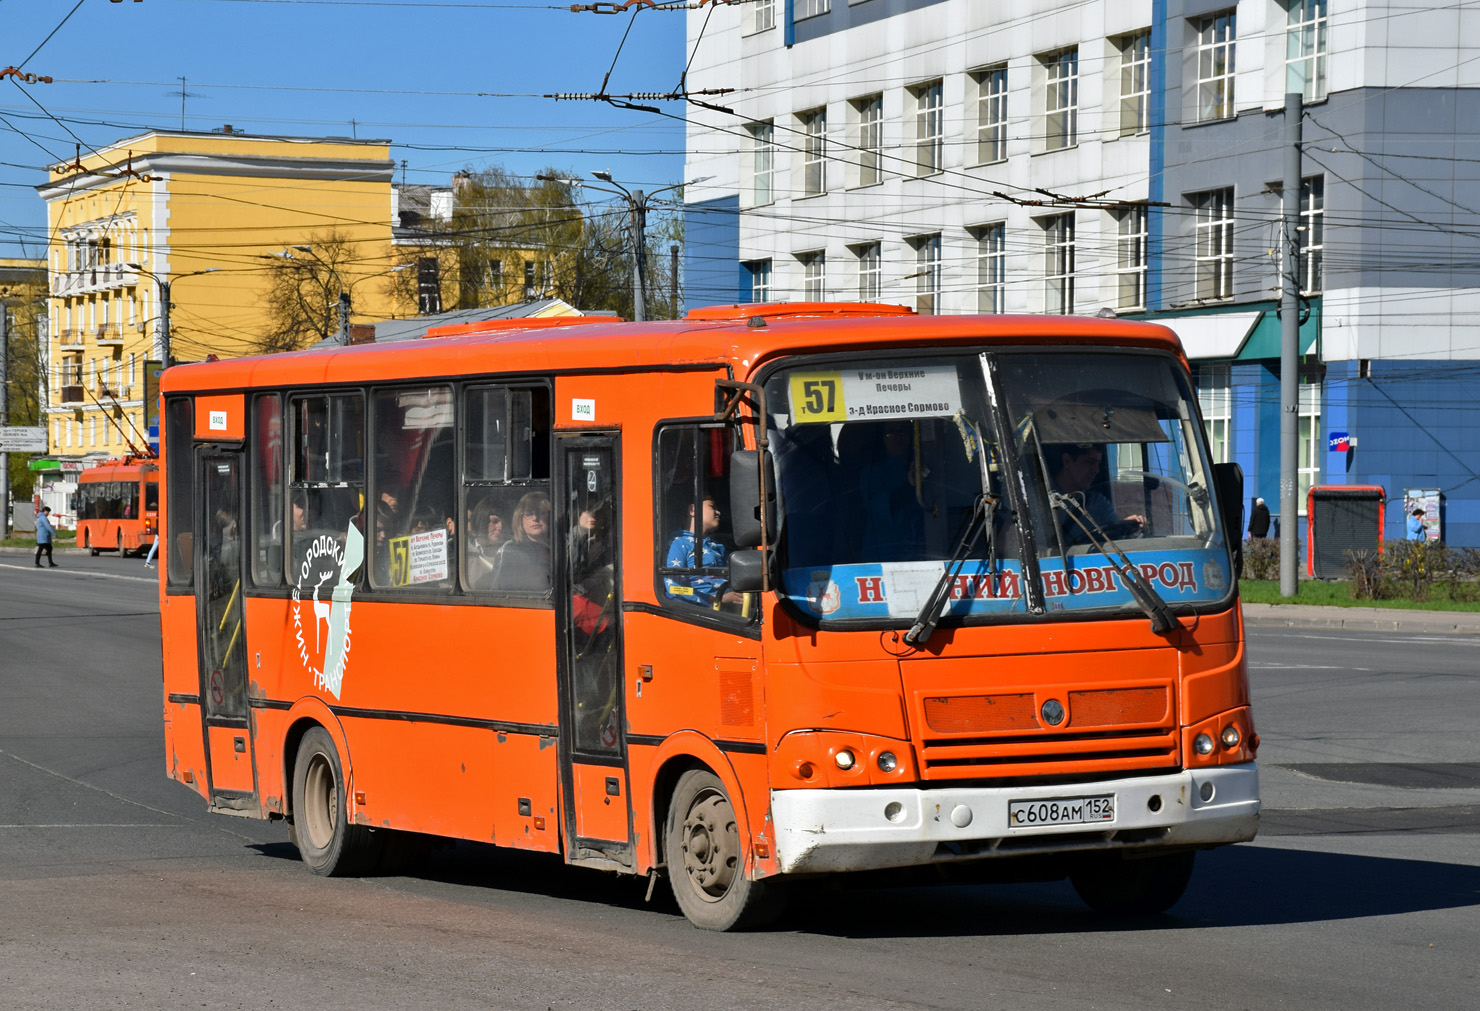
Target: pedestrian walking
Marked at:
153, 550
45, 534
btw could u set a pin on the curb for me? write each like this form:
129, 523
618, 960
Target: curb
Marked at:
1433, 622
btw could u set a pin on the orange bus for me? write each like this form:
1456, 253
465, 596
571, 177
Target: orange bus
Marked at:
117, 505
765, 593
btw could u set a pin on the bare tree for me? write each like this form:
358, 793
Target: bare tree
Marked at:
302, 291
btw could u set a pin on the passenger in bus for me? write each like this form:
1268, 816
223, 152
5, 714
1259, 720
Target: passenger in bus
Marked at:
1075, 469
693, 549
889, 488
487, 528
523, 564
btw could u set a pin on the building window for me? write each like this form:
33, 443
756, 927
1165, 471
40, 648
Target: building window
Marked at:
991, 268
1135, 83
1311, 445
760, 280
765, 15
1312, 234
763, 164
870, 271
1215, 40
870, 145
1130, 258
814, 276
1214, 395
428, 285
1058, 264
929, 128
814, 152
811, 8
991, 115
1305, 48
927, 274
1062, 126
1214, 245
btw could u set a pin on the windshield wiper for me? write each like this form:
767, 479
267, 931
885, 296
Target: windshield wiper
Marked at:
983, 513
1141, 591
981, 520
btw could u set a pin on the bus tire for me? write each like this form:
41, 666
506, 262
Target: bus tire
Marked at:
1108, 883
326, 841
706, 860
87, 543
120, 544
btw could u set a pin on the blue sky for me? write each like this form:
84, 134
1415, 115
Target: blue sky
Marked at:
449, 83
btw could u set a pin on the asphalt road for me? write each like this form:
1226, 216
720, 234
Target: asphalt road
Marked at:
118, 890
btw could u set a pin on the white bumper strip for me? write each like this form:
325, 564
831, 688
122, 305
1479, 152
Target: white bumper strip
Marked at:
852, 830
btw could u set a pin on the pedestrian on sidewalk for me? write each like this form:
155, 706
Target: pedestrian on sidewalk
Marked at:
45, 534
1416, 531
1259, 519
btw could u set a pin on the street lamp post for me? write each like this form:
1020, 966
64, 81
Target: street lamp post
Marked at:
637, 204
164, 284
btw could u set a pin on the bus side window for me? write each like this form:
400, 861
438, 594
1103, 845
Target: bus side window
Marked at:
328, 469
180, 461
693, 536
415, 510
267, 490
506, 484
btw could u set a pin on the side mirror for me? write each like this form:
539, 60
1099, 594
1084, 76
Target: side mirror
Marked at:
747, 570
1229, 481
745, 496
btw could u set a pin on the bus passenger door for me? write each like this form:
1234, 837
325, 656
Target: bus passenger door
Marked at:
588, 620
222, 631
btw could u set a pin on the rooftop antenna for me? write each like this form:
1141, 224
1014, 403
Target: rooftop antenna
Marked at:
183, 95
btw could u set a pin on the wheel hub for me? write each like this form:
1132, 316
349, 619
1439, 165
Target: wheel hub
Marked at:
711, 846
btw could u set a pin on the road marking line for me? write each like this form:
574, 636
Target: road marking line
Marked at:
83, 572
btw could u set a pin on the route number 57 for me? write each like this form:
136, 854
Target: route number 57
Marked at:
817, 396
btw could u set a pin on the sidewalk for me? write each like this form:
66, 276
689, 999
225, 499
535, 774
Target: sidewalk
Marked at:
1366, 619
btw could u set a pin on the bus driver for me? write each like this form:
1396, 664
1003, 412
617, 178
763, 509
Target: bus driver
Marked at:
688, 551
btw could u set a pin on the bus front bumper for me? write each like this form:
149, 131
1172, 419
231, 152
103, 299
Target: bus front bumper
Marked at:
819, 831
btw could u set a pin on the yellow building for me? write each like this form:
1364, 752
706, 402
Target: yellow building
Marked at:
243, 231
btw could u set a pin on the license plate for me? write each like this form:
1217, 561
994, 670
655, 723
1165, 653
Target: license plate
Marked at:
1061, 811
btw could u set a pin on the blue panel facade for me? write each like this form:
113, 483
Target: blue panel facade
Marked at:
1415, 423
711, 251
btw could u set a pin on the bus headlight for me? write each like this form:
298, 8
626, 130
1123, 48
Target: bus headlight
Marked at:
844, 759
1230, 736
1202, 744
887, 761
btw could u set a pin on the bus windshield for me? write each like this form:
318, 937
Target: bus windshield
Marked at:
889, 468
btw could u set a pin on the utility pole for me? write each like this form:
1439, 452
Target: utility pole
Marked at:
4, 415
1290, 355
343, 336
673, 278
638, 201
164, 322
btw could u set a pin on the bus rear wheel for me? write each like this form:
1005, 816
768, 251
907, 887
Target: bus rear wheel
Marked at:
87, 543
706, 860
1109, 883
326, 840
120, 544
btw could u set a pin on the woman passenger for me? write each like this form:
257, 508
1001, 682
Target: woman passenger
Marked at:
523, 564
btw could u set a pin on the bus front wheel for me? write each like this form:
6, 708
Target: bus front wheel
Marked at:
326, 840
1109, 883
706, 859
87, 543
